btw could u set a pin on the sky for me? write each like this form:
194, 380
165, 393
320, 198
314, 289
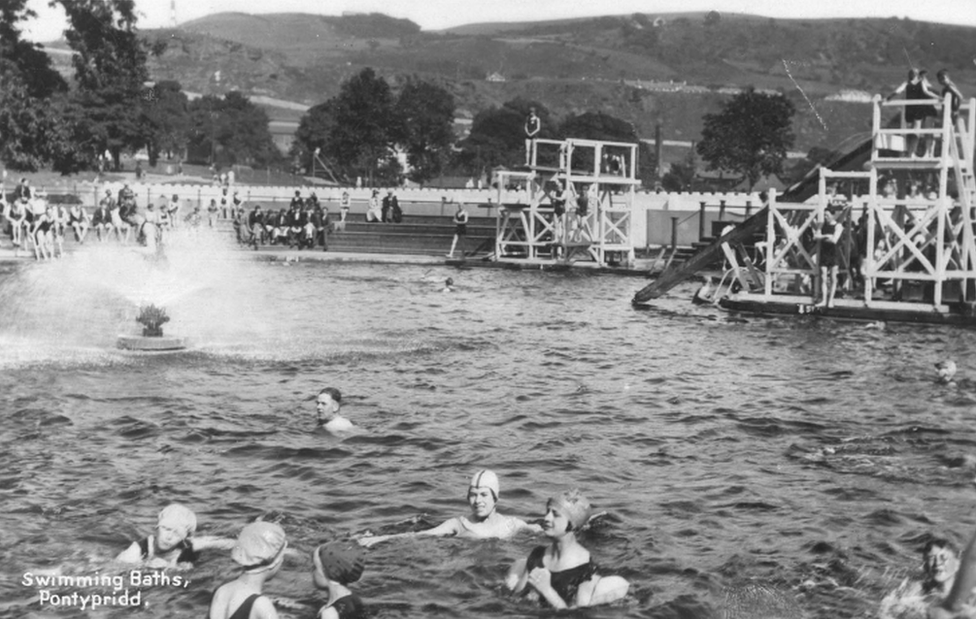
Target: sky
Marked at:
439, 14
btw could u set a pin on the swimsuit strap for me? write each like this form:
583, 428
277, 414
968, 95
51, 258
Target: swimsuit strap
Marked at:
244, 610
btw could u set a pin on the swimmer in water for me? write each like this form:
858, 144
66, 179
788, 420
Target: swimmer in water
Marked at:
337, 565
327, 405
562, 575
260, 550
961, 599
484, 522
913, 597
946, 370
173, 542
448, 285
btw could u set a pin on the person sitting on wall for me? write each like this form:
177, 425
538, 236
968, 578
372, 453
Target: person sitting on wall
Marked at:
374, 213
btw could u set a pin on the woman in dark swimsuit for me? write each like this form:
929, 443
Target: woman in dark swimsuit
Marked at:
562, 575
916, 88
42, 231
829, 235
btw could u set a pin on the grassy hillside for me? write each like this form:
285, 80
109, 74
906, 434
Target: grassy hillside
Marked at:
576, 65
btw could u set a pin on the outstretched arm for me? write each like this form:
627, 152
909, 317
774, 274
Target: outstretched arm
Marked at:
445, 529
897, 92
205, 542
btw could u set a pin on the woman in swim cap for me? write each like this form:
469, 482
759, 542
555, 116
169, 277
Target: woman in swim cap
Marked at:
484, 522
337, 565
260, 550
173, 542
562, 575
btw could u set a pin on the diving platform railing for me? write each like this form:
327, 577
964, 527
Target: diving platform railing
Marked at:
908, 242
573, 201
908, 225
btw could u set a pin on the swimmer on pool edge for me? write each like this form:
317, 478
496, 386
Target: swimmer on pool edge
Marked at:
173, 542
563, 575
484, 522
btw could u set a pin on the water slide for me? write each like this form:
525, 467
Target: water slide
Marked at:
799, 192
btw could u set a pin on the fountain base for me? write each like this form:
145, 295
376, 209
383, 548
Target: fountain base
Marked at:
151, 344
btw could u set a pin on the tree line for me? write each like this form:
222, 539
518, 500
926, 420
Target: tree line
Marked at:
111, 107
359, 133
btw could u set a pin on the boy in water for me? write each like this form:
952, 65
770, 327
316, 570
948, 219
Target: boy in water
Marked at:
327, 406
337, 565
913, 597
484, 522
260, 550
173, 542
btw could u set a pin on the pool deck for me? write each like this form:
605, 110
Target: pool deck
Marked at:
275, 254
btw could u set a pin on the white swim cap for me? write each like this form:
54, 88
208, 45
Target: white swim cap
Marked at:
259, 545
485, 479
178, 517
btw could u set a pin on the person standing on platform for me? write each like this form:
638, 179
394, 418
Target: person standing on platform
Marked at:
949, 87
829, 235
460, 228
916, 88
173, 211
532, 127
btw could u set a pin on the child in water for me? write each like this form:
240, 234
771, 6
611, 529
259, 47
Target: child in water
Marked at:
173, 542
562, 575
337, 565
327, 405
260, 550
484, 522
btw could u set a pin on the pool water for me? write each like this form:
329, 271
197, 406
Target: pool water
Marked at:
805, 459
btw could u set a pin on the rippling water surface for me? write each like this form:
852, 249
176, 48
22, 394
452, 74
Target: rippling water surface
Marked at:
806, 458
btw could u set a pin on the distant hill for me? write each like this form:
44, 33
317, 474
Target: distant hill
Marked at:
646, 68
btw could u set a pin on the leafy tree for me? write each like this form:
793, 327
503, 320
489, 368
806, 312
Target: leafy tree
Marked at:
27, 126
27, 132
361, 136
749, 136
681, 176
231, 130
167, 119
425, 115
313, 131
110, 71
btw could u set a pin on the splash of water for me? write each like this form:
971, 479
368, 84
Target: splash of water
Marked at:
92, 295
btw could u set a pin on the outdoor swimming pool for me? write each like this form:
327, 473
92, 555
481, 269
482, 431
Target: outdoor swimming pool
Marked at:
805, 455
